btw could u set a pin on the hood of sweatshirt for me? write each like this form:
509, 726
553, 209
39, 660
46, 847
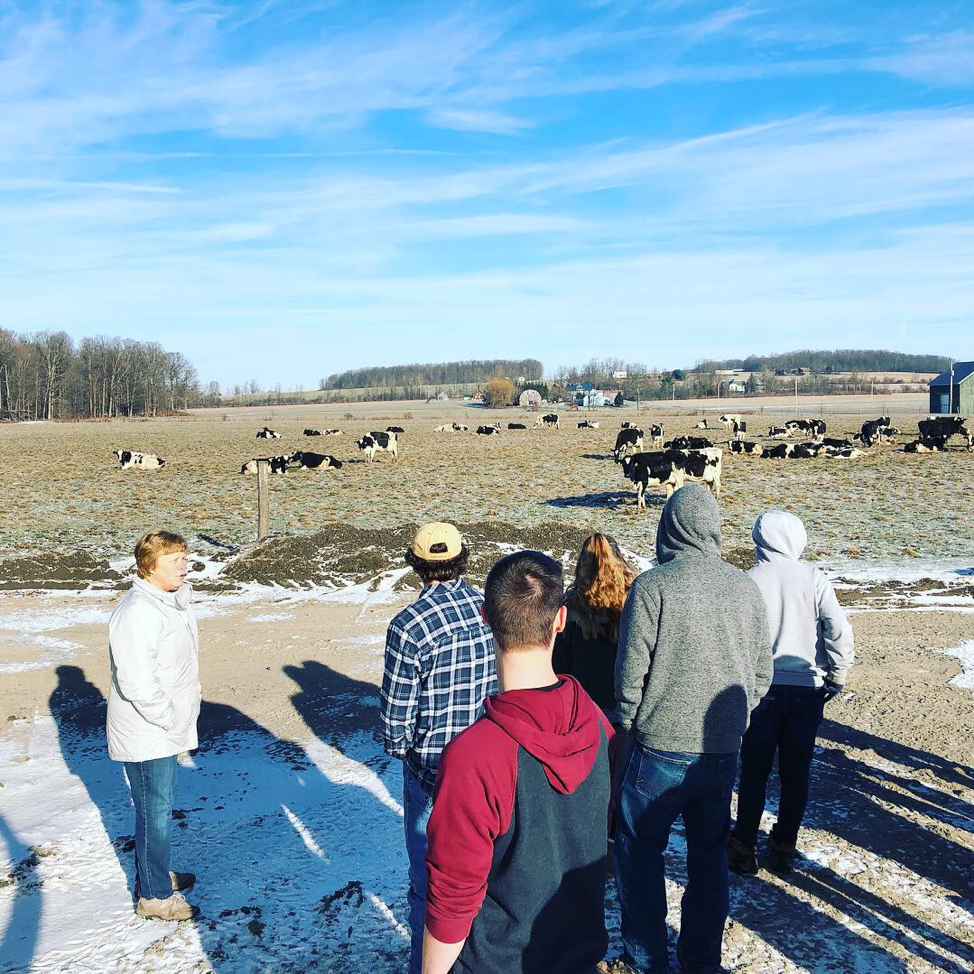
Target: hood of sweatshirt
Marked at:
778, 533
559, 728
689, 525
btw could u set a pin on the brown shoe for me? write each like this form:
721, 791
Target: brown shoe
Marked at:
742, 859
182, 881
782, 856
172, 908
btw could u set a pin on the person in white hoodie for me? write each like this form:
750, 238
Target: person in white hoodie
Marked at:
813, 651
153, 707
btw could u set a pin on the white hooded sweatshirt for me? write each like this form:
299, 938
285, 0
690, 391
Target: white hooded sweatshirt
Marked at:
810, 634
154, 700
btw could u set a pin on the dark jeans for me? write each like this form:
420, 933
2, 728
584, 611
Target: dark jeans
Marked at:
417, 803
152, 784
785, 721
659, 786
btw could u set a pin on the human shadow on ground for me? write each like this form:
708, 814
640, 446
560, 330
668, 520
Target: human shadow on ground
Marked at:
293, 862
19, 940
597, 456
606, 498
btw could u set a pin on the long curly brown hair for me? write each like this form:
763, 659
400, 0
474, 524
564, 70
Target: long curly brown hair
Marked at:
598, 593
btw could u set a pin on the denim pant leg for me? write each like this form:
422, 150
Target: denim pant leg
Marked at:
705, 901
651, 798
153, 784
417, 804
796, 747
757, 759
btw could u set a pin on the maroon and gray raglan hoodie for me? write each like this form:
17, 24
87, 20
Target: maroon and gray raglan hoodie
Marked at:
517, 836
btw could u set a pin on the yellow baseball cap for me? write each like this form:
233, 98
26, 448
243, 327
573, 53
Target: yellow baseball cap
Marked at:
437, 541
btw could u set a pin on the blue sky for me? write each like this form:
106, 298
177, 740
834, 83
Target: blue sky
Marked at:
282, 190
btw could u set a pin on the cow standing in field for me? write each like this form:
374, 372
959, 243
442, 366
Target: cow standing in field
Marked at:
377, 442
647, 470
739, 429
656, 435
729, 419
815, 427
268, 434
277, 464
628, 439
304, 460
944, 426
588, 425
147, 461
547, 421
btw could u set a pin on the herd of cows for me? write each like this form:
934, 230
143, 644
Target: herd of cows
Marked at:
668, 465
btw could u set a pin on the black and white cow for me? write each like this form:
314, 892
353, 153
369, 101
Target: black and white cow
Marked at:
729, 419
703, 425
277, 465
588, 425
739, 429
147, 461
688, 443
656, 435
548, 421
778, 452
745, 446
626, 425
946, 426
460, 428
304, 460
268, 434
630, 438
489, 430
516, 426
834, 443
395, 429
779, 432
874, 431
647, 470
704, 466
935, 444
376, 442
816, 427
310, 432
838, 453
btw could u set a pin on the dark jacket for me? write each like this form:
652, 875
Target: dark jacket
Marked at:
694, 648
591, 661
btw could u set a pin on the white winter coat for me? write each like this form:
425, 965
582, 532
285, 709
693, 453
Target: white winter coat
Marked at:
154, 700
810, 633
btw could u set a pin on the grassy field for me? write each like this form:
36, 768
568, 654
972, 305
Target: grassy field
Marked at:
64, 492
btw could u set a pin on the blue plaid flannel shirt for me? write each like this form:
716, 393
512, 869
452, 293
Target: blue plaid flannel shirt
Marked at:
439, 669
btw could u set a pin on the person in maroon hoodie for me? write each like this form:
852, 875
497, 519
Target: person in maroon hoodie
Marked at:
517, 837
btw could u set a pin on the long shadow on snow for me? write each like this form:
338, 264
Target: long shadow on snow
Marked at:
606, 498
255, 820
19, 940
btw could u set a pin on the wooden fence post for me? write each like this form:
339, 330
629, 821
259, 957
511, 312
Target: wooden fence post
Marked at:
263, 511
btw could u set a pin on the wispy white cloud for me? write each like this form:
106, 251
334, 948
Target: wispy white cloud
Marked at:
478, 121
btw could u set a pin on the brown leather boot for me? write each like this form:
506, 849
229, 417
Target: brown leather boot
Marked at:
782, 856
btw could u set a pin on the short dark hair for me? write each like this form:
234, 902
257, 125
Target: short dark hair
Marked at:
438, 571
522, 596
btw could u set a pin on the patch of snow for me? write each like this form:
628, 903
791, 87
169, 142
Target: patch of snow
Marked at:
270, 617
965, 653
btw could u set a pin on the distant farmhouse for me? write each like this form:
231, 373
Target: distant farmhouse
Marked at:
953, 394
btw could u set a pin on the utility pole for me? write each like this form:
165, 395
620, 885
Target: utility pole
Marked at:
796, 395
950, 398
263, 511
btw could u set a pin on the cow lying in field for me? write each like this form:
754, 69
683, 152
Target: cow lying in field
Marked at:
489, 430
935, 444
452, 428
395, 429
304, 460
268, 434
147, 461
688, 443
745, 446
377, 442
516, 426
310, 432
588, 425
626, 425
277, 465
703, 425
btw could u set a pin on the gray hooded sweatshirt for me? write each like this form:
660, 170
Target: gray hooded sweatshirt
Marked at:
694, 650
810, 634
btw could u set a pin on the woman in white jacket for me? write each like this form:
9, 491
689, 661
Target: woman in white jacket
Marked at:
813, 651
153, 706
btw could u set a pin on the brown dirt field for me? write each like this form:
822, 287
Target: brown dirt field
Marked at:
66, 495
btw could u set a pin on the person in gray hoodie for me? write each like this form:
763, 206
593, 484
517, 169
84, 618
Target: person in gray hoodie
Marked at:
813, 651
694, 660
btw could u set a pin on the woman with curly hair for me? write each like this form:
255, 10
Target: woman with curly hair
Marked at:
587, 647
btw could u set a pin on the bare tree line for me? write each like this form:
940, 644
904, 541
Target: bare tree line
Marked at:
47, 376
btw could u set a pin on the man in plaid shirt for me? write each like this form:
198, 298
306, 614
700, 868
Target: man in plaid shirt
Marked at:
439, 668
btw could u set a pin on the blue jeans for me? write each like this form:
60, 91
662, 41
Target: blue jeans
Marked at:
417, 803
659, 786
786, 721
152, 784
